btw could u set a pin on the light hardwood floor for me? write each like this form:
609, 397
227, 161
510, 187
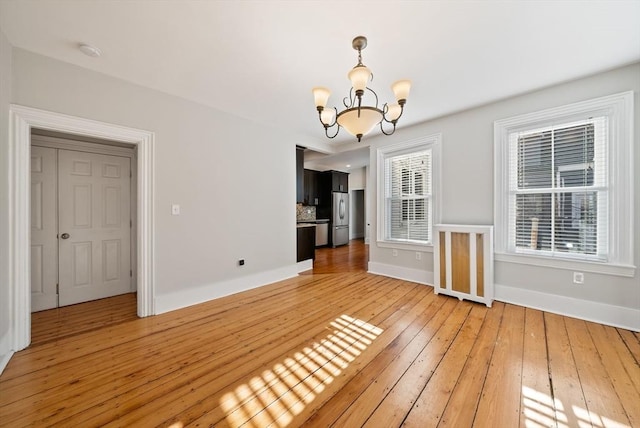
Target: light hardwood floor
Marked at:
334, 347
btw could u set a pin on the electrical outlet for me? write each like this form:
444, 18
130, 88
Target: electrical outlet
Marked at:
175, 209
394, 252
578, 278
418, 255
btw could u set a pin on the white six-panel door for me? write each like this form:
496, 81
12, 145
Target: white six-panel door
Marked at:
44, 245
80, 226
94, 226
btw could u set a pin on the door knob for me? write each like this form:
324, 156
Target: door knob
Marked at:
65, 236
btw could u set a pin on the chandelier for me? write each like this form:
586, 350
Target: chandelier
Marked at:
356, 118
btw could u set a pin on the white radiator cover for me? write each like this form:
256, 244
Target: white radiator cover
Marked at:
463, 262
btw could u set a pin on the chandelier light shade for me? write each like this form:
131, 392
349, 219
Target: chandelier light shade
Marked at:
356, 118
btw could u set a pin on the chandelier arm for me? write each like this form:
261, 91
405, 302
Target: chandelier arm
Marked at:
374, 94
385, 109
392, 131
326, 130
350, 98
335, 118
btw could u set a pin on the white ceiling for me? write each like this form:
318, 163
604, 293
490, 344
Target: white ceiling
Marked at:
260, 59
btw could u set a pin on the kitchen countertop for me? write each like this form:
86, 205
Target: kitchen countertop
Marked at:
320, 220
307, 224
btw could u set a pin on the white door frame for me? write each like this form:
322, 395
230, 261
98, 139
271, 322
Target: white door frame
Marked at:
22, 119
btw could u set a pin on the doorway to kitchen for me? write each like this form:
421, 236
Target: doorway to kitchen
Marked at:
353, 257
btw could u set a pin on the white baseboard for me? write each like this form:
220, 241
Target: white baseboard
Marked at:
5, 350
399, 272
193, 296
305, 265
616, 316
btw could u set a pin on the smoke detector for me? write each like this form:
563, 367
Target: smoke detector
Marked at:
89, 50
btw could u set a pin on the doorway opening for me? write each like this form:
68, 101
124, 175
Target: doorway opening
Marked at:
22, 121
83, 240
357, 214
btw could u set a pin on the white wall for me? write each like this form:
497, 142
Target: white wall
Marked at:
467, 183
5, 296
233, 205
357, 178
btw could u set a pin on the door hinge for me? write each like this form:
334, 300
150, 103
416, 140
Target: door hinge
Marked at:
131, 273
130, 173
130, 223
57, 288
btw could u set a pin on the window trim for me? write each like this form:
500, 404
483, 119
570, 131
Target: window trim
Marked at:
431, 142
619, 109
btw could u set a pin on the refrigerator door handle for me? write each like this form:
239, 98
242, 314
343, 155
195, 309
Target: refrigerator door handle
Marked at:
341, 209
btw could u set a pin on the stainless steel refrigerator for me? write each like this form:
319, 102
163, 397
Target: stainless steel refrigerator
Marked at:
340, 219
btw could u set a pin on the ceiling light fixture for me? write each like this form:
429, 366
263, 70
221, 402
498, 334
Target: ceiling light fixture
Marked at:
356, 118
89, 50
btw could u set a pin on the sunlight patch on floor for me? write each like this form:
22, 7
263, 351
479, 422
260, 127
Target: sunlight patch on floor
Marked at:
282, 392
540, 410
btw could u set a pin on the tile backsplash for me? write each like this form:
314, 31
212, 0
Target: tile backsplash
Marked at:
305, 213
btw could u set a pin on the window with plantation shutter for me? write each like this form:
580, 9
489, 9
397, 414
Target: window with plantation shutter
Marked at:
406, 194
563, 183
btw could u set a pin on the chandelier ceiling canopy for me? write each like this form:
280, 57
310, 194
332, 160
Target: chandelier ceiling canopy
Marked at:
356, 118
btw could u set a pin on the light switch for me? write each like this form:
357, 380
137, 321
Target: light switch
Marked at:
175, 209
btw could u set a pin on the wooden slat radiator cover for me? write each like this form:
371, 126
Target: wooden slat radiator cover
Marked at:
463, 262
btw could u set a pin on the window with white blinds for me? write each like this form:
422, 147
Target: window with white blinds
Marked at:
406, 195
559, 190
564, 185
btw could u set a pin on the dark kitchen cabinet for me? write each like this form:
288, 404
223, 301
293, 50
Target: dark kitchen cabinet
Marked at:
311, 187
339, 181
299, 174
306, 237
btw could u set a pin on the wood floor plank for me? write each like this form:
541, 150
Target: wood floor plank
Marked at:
87, 362
500, 403
621, 369
349, 357
142, 345
603, 404
632, 342
156, 405
333, 347
291, 406
430, 404
567, 391
463, 403
537, 398
361, 408
393, 409
392, 327
88, 392
54, 324
41, 358
345, 397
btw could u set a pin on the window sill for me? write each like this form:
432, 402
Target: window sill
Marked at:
425, 248
579, 265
